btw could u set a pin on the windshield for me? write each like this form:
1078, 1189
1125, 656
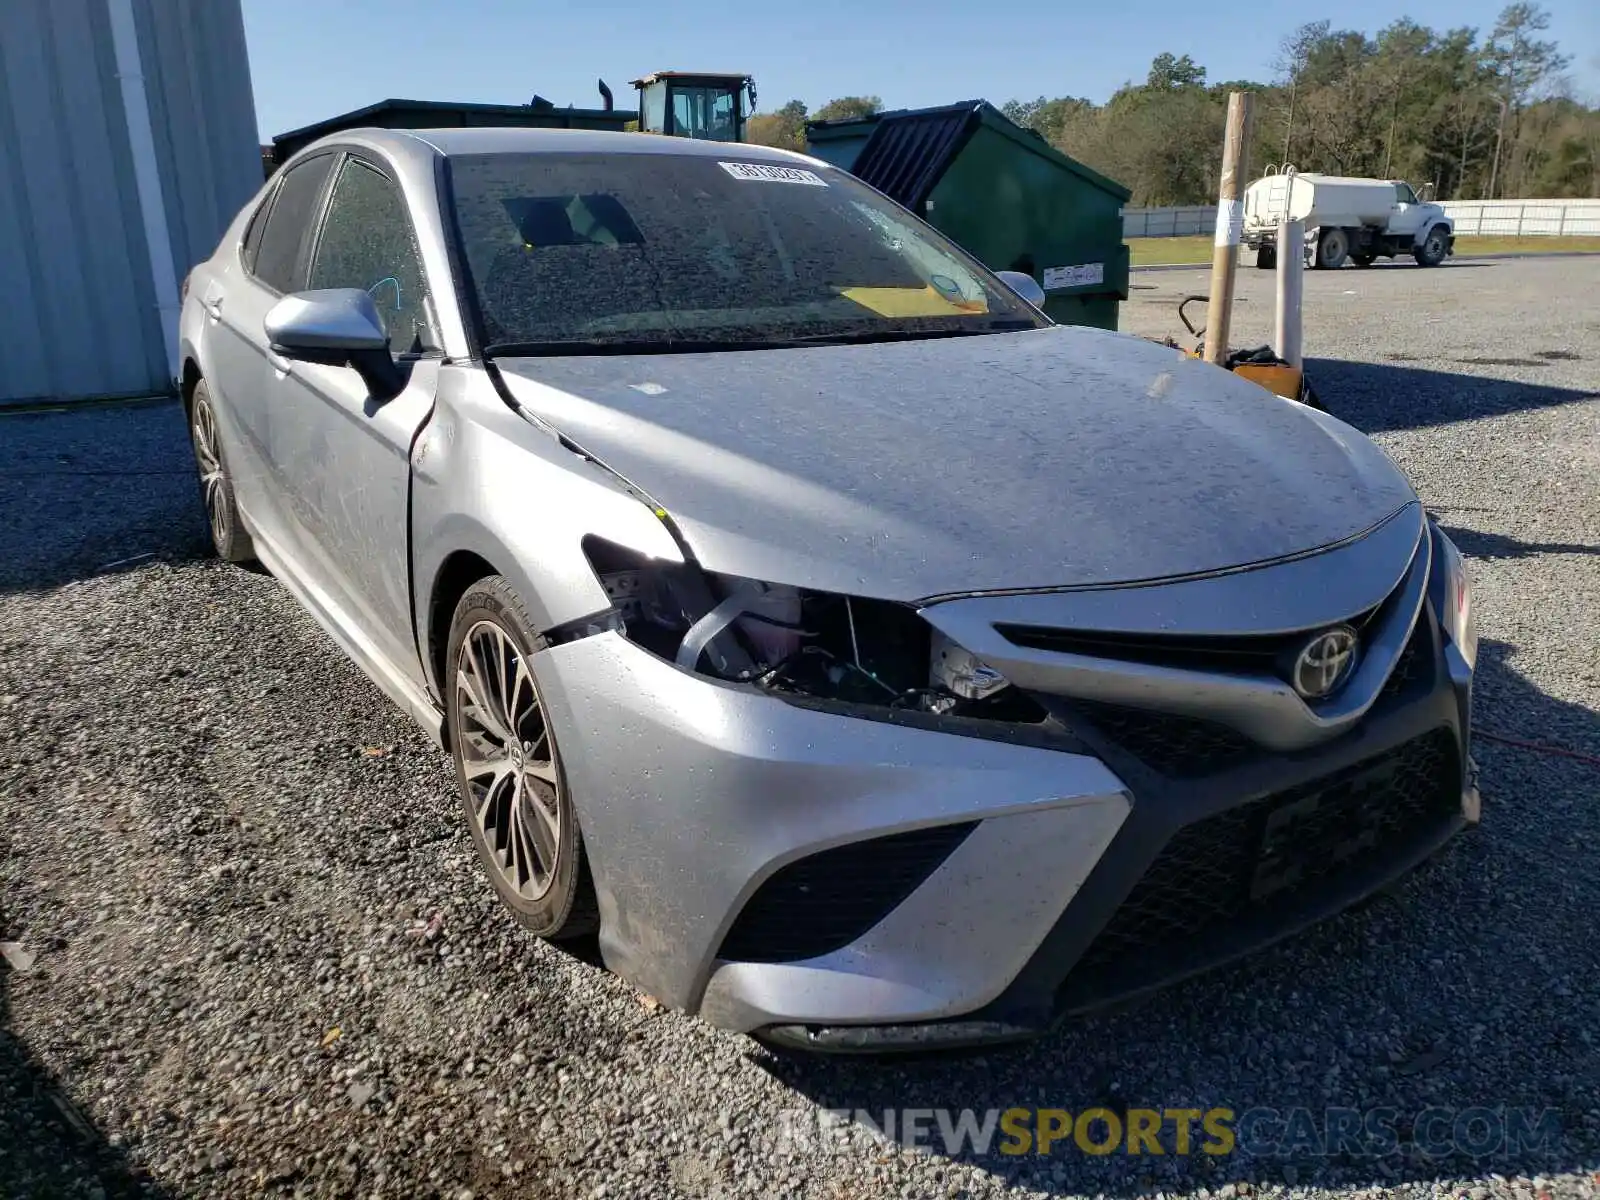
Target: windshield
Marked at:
688, 252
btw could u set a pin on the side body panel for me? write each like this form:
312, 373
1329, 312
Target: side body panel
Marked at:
489, 482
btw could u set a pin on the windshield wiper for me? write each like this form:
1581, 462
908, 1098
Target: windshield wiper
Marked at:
905, 335
557, 349
560, 349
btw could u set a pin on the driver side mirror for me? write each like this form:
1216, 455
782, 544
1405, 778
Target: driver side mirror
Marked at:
336, 327
1024, 285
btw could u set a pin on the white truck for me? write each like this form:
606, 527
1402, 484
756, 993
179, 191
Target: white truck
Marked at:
1358, 219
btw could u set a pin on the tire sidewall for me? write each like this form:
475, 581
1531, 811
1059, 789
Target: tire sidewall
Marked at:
494, 600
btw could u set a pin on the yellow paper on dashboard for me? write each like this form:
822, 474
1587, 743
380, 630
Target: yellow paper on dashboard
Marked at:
911, 302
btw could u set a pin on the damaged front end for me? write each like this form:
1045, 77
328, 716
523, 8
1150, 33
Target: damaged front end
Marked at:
853, 655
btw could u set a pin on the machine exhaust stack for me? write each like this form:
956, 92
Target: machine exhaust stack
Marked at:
605, 96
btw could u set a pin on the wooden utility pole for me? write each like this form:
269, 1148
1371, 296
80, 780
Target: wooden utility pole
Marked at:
1230, 223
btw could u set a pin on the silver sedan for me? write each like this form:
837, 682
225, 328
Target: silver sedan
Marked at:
867, 660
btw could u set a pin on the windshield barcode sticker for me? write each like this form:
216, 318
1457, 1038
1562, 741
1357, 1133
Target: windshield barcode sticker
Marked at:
767, 173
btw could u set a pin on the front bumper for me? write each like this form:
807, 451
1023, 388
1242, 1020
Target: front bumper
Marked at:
1176, 892
699, 801
694, 794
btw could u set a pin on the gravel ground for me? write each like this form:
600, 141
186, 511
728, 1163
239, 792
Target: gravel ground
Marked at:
264, 962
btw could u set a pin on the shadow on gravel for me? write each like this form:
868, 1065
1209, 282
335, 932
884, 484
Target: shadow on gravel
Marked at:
48, 1148
1498, 545
1447, 1022
1376, 397
88, 493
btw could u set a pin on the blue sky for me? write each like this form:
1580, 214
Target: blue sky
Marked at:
311, 59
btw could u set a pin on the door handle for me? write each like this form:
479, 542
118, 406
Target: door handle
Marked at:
281, 365
213, 307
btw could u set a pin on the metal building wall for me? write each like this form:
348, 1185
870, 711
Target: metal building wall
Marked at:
78, 309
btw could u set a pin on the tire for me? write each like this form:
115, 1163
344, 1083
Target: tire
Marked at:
228, 535
1363, 260
1333, 245
1434, 247
1266, 258
514, 790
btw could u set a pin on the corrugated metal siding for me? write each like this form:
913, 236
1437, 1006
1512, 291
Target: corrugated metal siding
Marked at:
203, 113
79, 312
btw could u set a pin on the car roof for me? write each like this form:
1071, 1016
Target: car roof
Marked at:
450, 142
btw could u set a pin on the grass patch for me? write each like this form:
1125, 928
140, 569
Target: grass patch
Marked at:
1195, 251
1144, 252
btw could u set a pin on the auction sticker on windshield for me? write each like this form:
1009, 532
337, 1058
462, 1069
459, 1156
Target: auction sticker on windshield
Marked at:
767, 173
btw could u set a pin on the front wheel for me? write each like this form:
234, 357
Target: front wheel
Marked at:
1332, 247
508, 767
1363, 260
1266, 258
1433, 249
228, 534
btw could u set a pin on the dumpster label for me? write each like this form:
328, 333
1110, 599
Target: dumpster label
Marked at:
767, 173
1078, 276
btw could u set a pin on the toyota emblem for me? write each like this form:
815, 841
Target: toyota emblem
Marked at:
1324, 663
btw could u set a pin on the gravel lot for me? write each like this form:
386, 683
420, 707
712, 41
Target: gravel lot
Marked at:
264, 961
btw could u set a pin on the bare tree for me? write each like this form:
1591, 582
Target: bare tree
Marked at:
1524, 66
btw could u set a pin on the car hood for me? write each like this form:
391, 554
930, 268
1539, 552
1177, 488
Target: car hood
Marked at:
1046, 458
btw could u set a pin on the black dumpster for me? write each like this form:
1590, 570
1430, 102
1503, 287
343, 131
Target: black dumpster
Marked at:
1001, 192
434, 114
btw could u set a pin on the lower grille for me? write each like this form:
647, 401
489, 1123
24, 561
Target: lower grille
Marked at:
827, 900
1269, 853
1176, 746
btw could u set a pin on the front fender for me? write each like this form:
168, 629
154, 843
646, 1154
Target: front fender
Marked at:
488, 482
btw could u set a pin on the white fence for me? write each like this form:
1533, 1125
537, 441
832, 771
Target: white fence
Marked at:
1169, 222
1525, 218
1473, 218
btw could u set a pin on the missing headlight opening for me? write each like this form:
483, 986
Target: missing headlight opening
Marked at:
798, 642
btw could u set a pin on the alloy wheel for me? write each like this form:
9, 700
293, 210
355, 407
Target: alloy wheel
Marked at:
509, 760
208, 456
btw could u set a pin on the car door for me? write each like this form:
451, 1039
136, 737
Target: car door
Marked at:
242, 372
344, 456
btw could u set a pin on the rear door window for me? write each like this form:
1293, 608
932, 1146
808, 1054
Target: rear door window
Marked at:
280, 257
367, 242
251, 244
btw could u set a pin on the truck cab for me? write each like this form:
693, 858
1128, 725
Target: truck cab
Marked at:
709, 106
1410, 215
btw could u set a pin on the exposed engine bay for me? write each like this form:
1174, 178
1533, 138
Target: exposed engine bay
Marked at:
802, 643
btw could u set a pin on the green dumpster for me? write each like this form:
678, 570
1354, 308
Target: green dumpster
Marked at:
1001, 192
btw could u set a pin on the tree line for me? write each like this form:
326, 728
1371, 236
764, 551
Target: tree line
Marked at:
1475, 115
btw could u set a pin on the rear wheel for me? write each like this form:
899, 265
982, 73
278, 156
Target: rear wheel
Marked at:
508, 767
1332, 248
228, 534
1434, 248
1363, 260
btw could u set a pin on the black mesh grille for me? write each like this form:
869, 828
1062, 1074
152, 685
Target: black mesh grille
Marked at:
827, 900
1180, 747
1414, 668
1272, 850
